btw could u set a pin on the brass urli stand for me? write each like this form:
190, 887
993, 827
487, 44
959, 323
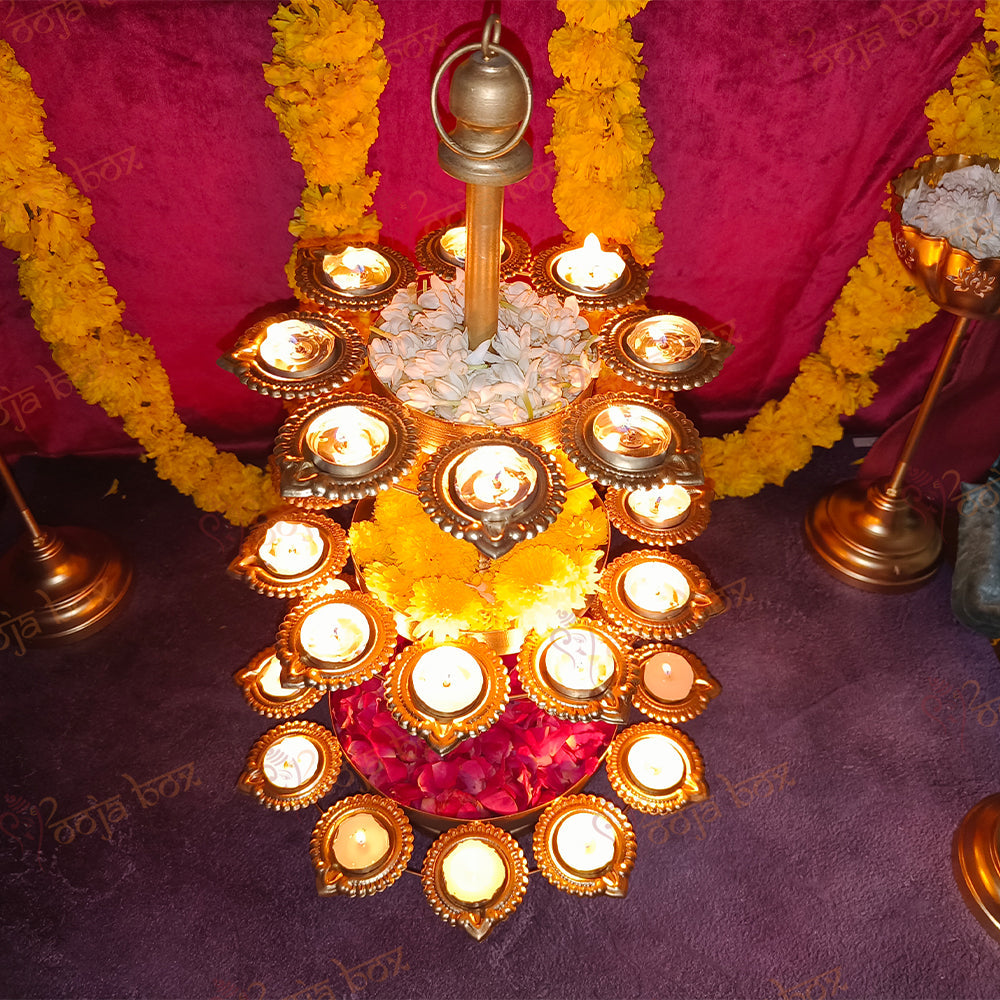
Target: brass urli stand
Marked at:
59, 584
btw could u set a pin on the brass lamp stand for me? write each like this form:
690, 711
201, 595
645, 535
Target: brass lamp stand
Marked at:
58, 585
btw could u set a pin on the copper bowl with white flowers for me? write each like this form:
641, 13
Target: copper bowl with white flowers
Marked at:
945, 222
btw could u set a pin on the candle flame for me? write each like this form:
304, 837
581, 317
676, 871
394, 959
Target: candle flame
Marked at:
590, 266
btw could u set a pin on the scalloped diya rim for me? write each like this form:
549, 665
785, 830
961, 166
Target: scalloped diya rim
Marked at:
704, 686
698, 516
312, 289
515, 255
299, 699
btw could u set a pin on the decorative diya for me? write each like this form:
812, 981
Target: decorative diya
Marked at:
264, 691
292, 766
354, 278
343, 448
585, 845
599, 279
445, 249
662, 351
578, 672
360, 846
335, 640
296, 355
474, 876
655, 768
291, 552
630, 441
447, 692
661, 515
493, 490
673, 684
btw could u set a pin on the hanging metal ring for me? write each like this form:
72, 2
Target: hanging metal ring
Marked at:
489, 48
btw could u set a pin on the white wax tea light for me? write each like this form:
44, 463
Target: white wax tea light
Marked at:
474, 872
494, 477
357, 269
453, 244
347, 436
664, 340
360, 842
290, 549
633, 431
655, 588
293, 347
655, 762
585, 841
662, 507
448, 680
668, 676
577, 660
291, 761
590, 266
335, 633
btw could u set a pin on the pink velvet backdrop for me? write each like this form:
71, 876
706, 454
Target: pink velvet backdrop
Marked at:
777, 127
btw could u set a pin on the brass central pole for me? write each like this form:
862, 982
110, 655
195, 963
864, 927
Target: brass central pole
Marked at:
19, 501
483, 226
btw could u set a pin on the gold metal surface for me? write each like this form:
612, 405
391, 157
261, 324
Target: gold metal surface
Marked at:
334, 880
698, 516
476, 919
609, 880
691, 788
285, 703
697, 371
316, 291
249, 566
608, 701
975, 855
953, 278
445, 732
268, 782
347, 358
303, 482
631, 286
492, 532
515, 255
680, 461
704, 602
300, 667
704, 687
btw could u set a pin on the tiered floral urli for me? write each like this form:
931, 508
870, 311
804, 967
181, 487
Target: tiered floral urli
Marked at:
485, 658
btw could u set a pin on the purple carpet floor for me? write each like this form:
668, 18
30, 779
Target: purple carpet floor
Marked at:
852, 734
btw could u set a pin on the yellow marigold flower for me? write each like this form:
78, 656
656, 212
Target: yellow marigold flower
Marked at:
389, 583
444, 608
600, 15
587, 58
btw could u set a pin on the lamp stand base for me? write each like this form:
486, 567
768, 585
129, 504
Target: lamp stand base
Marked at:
873, 541
975, 857
66, 582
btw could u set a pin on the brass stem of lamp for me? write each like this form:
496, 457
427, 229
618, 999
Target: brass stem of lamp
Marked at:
61, 583
483, 226
975, 859
877, 539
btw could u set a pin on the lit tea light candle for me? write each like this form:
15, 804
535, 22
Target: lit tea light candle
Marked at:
269, 680
494, 478
290, 549
474, 872
668, 676
335, 633
655, 589
357, 269
291, 761
453, 245
360, 843
295, 349
348, 438
631, 435
579, 663
655, 762
447, 680
585, 842
590, 267
662, 507
664, 341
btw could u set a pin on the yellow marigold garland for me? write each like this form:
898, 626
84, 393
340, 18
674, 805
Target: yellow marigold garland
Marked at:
876, 309
328, 72
600, 137
46, 221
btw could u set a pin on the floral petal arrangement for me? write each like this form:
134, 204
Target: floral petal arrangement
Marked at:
538, 361
440, 587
